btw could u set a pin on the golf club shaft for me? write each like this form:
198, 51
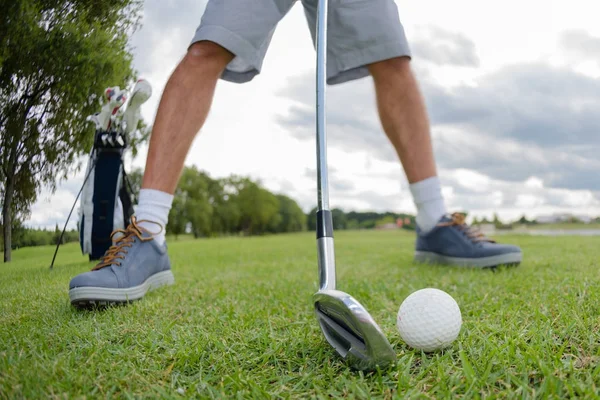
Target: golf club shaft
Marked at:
324, 220
322, 173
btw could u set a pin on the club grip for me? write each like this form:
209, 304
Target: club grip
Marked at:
324, 224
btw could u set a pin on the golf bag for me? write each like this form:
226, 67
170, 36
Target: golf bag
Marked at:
106, 202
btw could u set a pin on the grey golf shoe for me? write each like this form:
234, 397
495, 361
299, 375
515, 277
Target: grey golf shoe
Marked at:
132, 266
453, 242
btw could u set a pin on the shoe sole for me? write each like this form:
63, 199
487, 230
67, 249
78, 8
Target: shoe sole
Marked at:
509, 259
91, 296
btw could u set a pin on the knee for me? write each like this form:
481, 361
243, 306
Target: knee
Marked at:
207, 56
397, 66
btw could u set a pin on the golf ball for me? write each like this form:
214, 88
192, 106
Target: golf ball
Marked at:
429, 319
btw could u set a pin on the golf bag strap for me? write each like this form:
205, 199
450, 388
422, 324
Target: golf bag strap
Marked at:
125, 194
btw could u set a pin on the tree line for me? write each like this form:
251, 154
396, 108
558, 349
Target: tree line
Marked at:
23, 236
208, 207
236, 205
211, 207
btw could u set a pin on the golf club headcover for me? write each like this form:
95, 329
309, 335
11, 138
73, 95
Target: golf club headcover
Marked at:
141, 93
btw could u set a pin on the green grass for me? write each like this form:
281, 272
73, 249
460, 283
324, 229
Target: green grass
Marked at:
239, 323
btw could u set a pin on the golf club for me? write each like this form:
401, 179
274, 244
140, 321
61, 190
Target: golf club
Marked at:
347, 326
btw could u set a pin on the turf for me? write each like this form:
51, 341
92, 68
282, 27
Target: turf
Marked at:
239, 323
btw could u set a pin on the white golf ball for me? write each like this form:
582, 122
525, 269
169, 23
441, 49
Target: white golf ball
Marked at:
429, 319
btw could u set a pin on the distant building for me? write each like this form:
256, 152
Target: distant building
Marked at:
402, 222
388, 226
487, 229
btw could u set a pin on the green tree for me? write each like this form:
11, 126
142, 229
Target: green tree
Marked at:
496, 221
311, 219
177, 216
368, 224
135, 182
352, 224
259, 209
226, 211
56, 236
292, 216
193, 192
55, 57
385, 220
340, 220
226, 216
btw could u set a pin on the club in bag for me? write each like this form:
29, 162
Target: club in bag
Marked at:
346, 324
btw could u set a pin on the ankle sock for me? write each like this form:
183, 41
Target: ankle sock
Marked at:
153, 208
427, 195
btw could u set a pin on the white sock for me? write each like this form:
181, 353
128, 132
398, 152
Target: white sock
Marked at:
427, 195
154, 205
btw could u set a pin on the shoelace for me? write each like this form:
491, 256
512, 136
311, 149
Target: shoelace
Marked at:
120, 247
472, 233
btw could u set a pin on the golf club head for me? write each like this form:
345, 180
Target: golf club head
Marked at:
351, 331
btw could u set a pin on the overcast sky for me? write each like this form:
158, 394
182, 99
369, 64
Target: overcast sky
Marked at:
512, 89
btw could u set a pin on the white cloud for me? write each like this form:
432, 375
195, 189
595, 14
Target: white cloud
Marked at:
243, 134
51, 210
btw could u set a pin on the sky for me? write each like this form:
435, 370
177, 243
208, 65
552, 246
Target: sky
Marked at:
512, 90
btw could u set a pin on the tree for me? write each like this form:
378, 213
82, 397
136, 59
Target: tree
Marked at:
56, 236
292, 216
135, 182
352, 224
496, 221
226, 212
339, 219
226, 216
193, 192
311, 219
259, 209
385, 220
55, 56
177, 218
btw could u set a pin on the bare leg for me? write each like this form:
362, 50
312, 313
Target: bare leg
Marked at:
404, 117
182, 111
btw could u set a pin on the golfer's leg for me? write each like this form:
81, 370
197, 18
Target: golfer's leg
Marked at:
404, 117
181, 113
366, 37
230, 43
